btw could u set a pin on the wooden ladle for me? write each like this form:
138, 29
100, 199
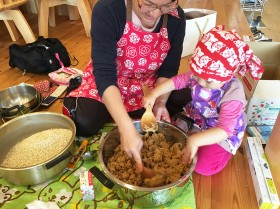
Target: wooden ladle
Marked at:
148, 120
152, 177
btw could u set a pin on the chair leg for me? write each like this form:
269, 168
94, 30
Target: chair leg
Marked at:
73, 12
43, 18
85, 11
20, 23
12, 29
52, 17
92, 3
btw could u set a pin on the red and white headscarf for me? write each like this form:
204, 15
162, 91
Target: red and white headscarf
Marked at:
220, 54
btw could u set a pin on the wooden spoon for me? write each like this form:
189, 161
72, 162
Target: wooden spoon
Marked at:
148, 120
153, 178
148, 173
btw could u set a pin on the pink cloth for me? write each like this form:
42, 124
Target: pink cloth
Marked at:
229, 113
181, 81
211, 159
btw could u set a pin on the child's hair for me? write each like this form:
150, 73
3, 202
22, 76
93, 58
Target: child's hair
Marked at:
219, 54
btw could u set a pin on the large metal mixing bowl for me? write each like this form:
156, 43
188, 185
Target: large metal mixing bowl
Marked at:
141, 196
24, 126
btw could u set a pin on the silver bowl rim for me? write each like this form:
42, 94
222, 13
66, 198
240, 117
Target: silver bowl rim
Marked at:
40, 113
137, 188
27, 104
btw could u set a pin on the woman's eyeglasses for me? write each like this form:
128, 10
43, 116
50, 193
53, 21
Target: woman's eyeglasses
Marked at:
148, 7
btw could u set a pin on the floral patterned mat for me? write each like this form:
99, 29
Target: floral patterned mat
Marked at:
64, 189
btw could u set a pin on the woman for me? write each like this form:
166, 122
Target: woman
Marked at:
133, 43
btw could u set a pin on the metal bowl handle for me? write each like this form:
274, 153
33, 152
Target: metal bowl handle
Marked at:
185, 118
57, 160
6, 110
101, 177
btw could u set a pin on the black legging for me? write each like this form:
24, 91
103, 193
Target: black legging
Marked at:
90, 115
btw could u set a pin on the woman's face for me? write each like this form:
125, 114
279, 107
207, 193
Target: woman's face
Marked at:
208, 84
148, 11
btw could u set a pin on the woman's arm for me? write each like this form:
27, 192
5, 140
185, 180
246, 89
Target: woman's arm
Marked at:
131, 141
108, 22
176, 32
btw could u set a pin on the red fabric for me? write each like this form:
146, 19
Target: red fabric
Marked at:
139, 56
65, 111
45, 88
219, 54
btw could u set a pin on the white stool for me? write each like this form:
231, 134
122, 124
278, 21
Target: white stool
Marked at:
14, 19
46, 15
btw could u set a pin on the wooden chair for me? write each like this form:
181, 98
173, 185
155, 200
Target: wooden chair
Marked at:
14, 19
47, 14
92, 3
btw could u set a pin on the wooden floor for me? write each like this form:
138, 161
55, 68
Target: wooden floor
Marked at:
231, 188
271, 19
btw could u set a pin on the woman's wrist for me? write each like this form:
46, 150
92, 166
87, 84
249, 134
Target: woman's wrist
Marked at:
159, 103
125, 124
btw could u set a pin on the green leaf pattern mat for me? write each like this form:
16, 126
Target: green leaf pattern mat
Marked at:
64, 189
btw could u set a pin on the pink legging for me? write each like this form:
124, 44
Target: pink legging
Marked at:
211, 159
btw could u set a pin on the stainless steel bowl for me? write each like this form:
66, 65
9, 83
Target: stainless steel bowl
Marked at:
21, 95
17, 111
23, 126
141, 196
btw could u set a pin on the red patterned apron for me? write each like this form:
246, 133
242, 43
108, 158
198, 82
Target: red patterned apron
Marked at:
139, 56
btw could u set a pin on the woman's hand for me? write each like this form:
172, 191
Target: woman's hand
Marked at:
161, 112
159, 108
131, 143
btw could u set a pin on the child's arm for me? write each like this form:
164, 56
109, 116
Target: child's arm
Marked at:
207, 137
229, 114
176, 82
163, 88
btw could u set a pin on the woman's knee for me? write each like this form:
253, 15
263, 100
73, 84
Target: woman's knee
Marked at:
88, 115
86, 127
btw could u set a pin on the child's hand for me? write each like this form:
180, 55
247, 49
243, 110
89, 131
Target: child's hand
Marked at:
148, 100
189, 151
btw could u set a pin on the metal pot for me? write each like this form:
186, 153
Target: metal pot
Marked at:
141, 196
23, 126
25, 95
13, 112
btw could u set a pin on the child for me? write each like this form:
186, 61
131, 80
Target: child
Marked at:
218, 98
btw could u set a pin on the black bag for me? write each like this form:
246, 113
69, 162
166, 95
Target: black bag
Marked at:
39, 56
